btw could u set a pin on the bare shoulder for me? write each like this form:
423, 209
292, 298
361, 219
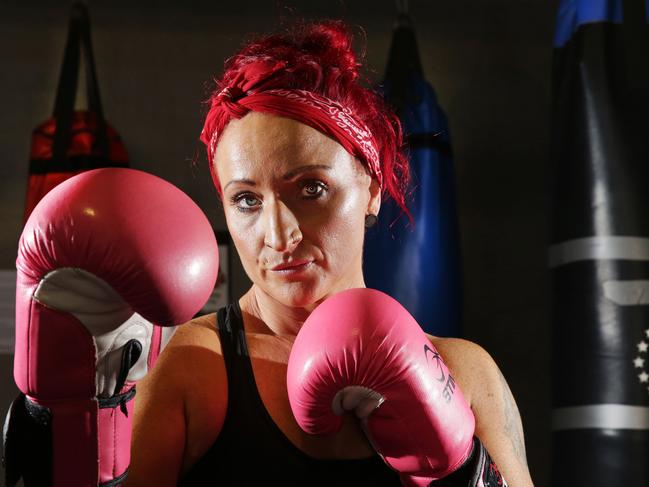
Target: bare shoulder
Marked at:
470, 364
498, 420
206, 386
186, 391
200, 331
193, 350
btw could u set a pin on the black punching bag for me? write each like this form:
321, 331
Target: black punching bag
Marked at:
599, 253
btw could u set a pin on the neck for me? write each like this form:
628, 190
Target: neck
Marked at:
271, 317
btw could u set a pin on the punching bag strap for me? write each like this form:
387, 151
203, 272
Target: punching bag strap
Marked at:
67, 89
403, 60
92, 86
78, 40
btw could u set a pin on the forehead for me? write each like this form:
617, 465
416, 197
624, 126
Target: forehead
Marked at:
265, 143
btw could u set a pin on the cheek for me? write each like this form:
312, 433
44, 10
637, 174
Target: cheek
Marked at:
342, 229
244, 239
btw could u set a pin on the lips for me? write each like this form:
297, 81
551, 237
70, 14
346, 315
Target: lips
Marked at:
292, 265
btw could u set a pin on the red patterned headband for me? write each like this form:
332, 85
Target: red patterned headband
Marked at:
319, 112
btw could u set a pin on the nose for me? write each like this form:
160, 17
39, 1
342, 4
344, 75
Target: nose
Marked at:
282, 232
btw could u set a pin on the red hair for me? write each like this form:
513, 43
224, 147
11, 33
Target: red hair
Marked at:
323, 61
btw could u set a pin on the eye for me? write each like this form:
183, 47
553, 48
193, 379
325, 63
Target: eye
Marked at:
313, 189
245, 202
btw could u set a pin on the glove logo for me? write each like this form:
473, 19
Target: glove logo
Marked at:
449, 388
438, 361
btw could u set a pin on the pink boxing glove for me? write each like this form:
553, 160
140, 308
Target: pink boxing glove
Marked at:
361, 350
102, 257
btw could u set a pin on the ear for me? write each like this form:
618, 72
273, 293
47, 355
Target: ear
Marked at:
374, 205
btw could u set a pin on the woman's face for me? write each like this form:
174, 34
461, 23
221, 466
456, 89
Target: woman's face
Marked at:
295, 203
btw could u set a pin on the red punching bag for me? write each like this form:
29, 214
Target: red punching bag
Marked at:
72, 141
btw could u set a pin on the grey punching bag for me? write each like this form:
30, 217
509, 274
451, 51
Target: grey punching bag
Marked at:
599, 252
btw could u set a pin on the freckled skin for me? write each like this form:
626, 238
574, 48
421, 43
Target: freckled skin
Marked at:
285, 224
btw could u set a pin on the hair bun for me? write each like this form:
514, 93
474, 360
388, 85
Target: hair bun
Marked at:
332, 40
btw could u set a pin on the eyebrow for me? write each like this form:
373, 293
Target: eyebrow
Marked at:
303, 169
288, 176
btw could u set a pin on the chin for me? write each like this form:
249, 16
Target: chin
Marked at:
307, 292
300, 299
296, 295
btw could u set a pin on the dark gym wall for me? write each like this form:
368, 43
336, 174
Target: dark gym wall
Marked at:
489, 61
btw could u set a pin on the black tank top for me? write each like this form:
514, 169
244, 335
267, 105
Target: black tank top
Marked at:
252, 450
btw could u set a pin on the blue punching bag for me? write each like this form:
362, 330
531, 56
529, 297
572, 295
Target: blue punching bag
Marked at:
418, 265
599, 253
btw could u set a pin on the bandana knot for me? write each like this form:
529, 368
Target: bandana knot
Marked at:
229, 93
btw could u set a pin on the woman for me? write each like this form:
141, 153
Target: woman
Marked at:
301, 155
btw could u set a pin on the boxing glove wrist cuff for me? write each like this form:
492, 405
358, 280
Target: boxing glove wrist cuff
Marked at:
27, 443
479, 470
92, 451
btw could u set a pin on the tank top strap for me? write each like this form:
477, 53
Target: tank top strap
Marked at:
229, 324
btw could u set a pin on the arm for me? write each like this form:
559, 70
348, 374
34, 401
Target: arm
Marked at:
498, 421
159, 429
180, 407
